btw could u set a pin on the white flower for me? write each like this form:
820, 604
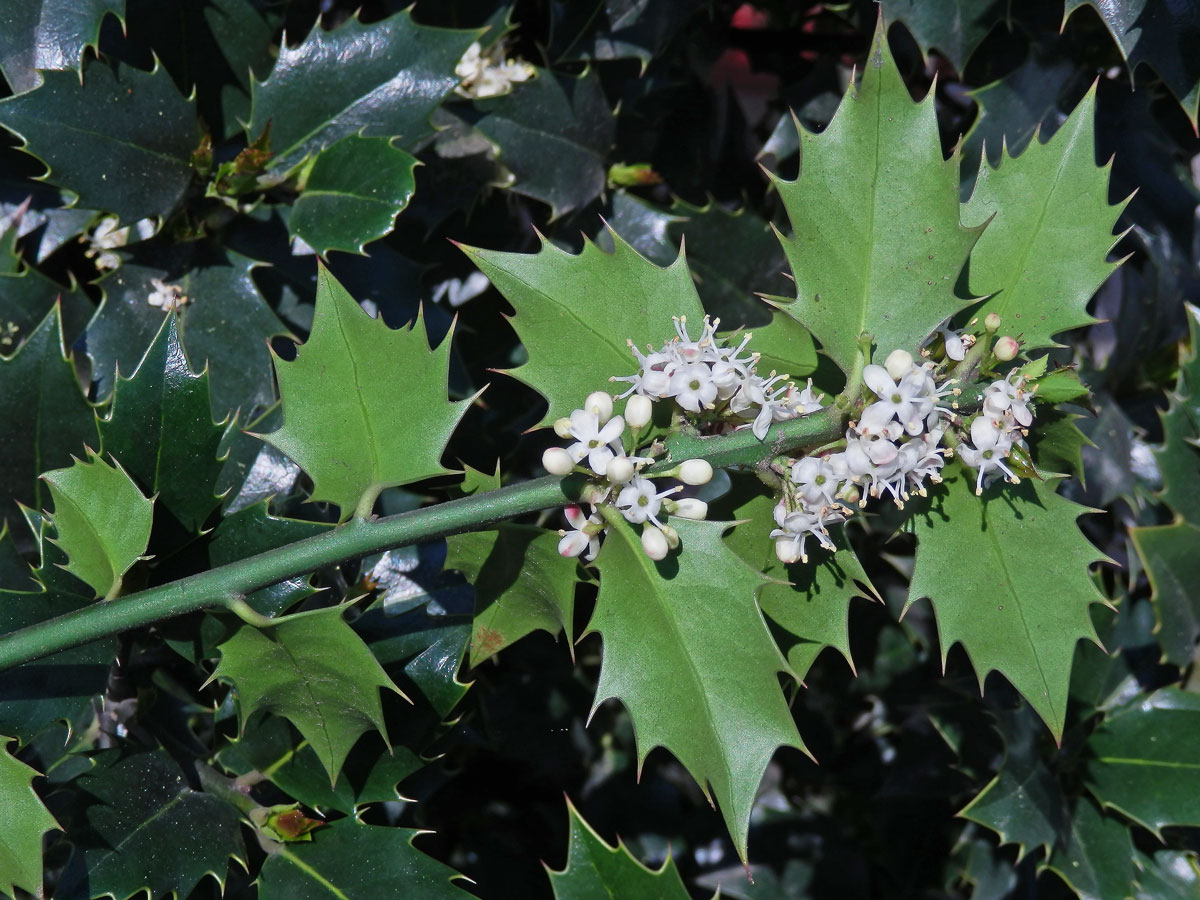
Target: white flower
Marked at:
807, 401
817, 482
956, 349
992, 443
653, 377
593, 441
695, 471
106, 238
584, 534
1007, 395
639, 502
168, 297
896, 401
692, 386
699, 349
489, 74
599, 403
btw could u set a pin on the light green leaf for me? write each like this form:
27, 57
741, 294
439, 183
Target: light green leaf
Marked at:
352, 195
46, 417
710, 696
597, 871
102, 519
148, 831
876, 244
522, 584
348, 860
1008, 578
49, 34
160, 425
595, 300
23, 821
1169, 553
312, 669
1096, 855
1060, 386
364, 406
1051, 197
1144, 759
137, 164
378, 80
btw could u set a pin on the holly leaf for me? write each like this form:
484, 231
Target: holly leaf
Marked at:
1008, 579
147, 830
23, 822
1168, 553
674, 672
378, 80
595, 300
350, 399
1150, 32
1051, 196
810, 601
1178, 458
595, 869
102, 521
312, 669
1057, 443
1095, 858
333, 864
138, 164
45, 34
1144, 759
615, 29
225, 323
160, 425
952, 27
554, 134
876, 243
46, 417
1168, 875
521, 582
352, 195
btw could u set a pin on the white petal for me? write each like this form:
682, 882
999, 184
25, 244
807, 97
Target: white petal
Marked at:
879, 381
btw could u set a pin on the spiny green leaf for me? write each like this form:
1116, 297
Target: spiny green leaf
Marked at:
148, 831
1060, 386
1178, 457
102, 520
784, 345
45, 416
137, 164
708, 695
952, 27
876, 244
1057, 443
1147, 31
554, 134
378, 80
49, 34
595, 870
353, 193
364, 406
1169, 553
1144, 760
349, 860
1008, 578
1168, 875
1051, 197
160, 425
23, 821
315, 671
595, 300
522, 584
1096, 855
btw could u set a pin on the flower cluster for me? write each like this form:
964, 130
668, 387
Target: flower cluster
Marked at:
488, 73
701, 375
599, 444
1001, 425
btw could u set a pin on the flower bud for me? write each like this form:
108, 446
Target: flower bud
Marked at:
562, 427
991, 322
1006, 349
787, 550
638, 411
599, 403
654, 542
695, 471
899, 363
690, 508
620, 470
557, 461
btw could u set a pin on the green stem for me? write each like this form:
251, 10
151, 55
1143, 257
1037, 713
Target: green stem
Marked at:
228, 585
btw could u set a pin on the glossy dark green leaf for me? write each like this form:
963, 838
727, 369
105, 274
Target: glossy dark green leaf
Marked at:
137, 165
147, 830
378, 80
315, 671
522, 584
44, 418
1169, 554
23, 822
1168, 875
615, 29
1096, 855
160, 425
952, 27
49, 34
350, 860
595, 870
352, 194
27, 297
553, 135
1179, 455
225, 324
1144, 759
